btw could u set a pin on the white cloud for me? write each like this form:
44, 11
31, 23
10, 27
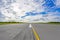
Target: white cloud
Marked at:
16, 10
58, 2
20, 7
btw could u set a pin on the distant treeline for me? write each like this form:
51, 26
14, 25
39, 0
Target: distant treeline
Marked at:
54, 22
10, 22
49, 22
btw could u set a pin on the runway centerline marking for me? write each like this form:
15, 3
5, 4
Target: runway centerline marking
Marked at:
35, 33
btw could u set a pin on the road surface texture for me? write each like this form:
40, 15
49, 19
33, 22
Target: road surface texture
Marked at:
48, 31
24, 32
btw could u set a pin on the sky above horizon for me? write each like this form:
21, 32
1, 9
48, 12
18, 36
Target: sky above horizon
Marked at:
30, 10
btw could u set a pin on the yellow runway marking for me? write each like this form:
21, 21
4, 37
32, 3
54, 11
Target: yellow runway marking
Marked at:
35, 33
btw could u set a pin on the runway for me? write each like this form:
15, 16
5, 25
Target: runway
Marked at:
24, 32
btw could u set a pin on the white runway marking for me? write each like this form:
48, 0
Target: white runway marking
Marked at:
30, 26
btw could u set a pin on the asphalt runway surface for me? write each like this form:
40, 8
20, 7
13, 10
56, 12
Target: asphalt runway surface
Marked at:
24, 32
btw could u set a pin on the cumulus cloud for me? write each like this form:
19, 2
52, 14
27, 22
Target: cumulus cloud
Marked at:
29, 10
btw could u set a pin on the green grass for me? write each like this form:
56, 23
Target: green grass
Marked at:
1, 23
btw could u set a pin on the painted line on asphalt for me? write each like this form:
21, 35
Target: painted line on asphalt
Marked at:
36, 34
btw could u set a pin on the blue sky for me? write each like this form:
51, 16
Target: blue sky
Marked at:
30, 10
